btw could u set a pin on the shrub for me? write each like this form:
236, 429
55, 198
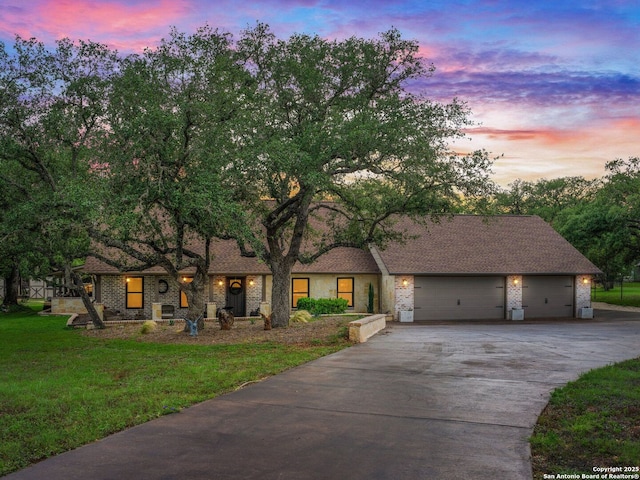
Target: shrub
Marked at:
323, 306
148, 327
306, 303
370, 299
301, 316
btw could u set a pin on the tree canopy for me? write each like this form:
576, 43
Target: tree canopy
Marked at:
600, 217
607, 228
51, 112
332, 131
291, 147
155, 155
171, 116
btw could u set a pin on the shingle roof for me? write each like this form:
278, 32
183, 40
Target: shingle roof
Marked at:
461, 245
226, 260
468, 245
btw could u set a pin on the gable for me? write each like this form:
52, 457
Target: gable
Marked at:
458, 245
477, 245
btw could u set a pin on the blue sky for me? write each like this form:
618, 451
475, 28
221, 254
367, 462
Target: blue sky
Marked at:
554, 86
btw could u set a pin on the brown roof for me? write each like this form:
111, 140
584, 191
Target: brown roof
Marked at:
226, 260
461, 245
476, 245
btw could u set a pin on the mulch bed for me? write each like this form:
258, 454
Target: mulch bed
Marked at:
243, 331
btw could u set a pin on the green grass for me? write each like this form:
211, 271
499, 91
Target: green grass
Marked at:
594, 421
630, 295
60, 389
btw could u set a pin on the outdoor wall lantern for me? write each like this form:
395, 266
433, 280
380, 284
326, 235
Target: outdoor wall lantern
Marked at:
220, 282
251, 282
128, 280
585, 280
405, 282
516, 281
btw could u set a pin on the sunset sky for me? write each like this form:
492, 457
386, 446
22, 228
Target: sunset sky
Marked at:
554, 86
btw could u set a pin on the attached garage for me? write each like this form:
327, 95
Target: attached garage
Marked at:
459, 298
468, 267
547, 296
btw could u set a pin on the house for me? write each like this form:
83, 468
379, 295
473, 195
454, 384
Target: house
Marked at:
242, 283
460, 268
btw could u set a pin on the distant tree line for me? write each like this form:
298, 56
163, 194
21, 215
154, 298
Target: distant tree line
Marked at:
600, 217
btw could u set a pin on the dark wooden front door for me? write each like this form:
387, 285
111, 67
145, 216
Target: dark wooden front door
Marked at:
236, 295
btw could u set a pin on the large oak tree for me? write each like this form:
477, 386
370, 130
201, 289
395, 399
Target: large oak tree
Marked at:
171, 119
51, 115
335, 132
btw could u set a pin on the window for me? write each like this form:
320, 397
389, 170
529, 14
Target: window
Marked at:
300, 289
135, 292
345, 289
183, 298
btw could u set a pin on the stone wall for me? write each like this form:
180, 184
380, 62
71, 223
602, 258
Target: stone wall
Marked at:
583, 292
113, 293
71, 305
404, 287
514, 292
254, 292
388, 295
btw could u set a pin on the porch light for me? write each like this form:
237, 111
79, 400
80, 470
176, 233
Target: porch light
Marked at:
405, 282
516, 281
220, 282
128, 280
585, 280
251, 282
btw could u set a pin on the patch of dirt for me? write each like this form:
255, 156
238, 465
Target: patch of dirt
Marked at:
317, 331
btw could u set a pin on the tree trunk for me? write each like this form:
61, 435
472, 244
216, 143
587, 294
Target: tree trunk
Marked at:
78, 287
280, 302
11, 287
195, 297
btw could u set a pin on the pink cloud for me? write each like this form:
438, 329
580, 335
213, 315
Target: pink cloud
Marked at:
548, 136
124, 24
533, 153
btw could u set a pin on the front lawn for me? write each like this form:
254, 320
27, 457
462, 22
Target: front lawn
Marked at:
60, 389
592, 422
628, 294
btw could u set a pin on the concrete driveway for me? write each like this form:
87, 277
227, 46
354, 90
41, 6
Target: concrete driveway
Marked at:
430, 401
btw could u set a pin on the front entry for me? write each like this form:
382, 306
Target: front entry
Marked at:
236, 295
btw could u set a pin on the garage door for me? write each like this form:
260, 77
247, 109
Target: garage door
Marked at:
458, 298
545, 297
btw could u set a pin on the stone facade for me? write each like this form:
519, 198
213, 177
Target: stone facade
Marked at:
514, 292
392, 293
71, 305
404, 294
326, 286
583, 292
254, 293
113, 293
218, 291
